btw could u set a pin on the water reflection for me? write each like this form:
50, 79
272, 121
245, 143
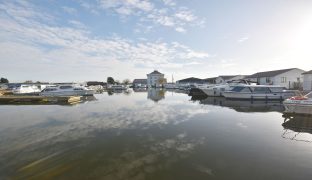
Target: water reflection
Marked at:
131, 137
297, 127
242, 105
156, 94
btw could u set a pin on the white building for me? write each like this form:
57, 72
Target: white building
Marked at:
307, 81
224, 79
156, 79
288, 78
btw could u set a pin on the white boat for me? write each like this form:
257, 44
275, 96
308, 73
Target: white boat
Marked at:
217, 90
118, 87
24, 89
67, 90
299, 104
259, 92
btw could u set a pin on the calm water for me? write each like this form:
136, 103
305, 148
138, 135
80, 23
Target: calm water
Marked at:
154, 135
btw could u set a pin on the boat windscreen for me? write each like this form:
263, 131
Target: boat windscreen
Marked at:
309, 95
260, 89
240, 89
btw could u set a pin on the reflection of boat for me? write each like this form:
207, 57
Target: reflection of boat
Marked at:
295, 125
118, 87
299, 104
140, 89
67, 90
244, 106
24, 89
256, 92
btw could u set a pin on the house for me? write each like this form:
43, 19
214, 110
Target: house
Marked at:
307, 81
190, 81
288, 78
156, 79
224, 79
139, 83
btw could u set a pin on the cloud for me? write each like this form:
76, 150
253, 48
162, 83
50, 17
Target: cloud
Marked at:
74, 46
243, 39
69, 10
167, 14
180, 29
169, 2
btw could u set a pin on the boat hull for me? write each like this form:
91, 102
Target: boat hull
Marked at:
298, 107
69, 93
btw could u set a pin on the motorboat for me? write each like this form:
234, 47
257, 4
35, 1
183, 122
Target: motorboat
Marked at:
198, 90
67, 90
117, 87
299, 104
259, 92
218, 89
25, 89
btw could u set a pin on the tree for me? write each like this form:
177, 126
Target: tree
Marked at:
162, 81
4, 80
110, 80
126, 81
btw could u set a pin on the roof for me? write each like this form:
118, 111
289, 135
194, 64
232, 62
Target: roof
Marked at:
190, 80
227, 77
207, 79
140, 81
308, 72
269, 73
155, 72
210, 80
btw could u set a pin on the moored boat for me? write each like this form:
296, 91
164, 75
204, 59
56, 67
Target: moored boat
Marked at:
218, 89
299, 104
67, 90
259, 92
25, 89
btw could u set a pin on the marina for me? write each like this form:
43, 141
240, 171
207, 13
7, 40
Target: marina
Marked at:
155, 90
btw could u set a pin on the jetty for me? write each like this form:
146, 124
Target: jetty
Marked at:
39, 99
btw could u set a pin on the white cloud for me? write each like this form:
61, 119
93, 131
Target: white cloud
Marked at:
169, 2
180, 29
69, 47
69, 10
243, 39
185, 16
167, 14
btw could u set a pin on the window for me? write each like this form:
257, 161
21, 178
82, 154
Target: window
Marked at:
240, 89
65, 87
268, 80
283, 80
261, 89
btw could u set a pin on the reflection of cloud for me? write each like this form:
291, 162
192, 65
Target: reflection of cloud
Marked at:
77, 122
241, 125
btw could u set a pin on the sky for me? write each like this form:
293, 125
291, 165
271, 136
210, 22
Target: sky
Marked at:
79, 40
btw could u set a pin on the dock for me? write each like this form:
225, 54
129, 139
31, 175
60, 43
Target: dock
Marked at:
39, 99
